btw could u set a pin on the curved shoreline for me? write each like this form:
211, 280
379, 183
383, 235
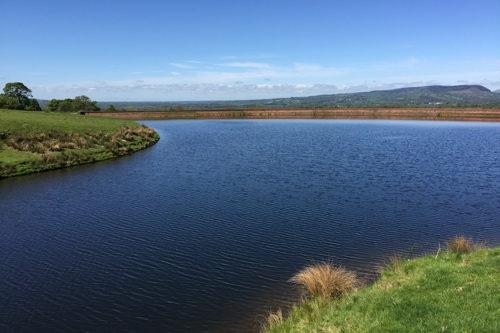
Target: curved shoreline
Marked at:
35, 142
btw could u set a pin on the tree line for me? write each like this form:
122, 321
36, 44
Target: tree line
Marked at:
16, 96
77, 104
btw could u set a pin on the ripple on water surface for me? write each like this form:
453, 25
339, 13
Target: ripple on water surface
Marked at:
201, 231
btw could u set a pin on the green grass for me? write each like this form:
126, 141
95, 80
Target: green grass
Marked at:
38, 141
448, 292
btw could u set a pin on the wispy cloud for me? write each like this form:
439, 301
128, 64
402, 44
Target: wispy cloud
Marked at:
195, 80
143, 90
257, 65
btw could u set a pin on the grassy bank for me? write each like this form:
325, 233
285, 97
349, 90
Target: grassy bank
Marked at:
450, 291
38, 141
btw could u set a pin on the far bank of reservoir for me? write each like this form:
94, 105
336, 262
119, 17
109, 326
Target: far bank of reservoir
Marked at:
465, 114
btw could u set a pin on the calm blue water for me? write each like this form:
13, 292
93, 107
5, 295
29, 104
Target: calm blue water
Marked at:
201, 232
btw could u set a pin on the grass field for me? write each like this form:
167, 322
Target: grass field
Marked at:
451, 291
37, 141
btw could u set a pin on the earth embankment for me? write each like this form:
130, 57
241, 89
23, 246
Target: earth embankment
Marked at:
349, 113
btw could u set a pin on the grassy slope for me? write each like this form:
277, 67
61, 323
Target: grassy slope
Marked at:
36, 141
447, 293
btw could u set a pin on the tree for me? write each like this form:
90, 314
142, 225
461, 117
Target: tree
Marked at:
66, 105
53, 105
9, 102
83, 103
78, 104
33, 105
20, 92
111, 107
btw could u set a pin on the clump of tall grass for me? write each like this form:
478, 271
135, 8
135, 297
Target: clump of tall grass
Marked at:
273, 319
462, 245
326, 280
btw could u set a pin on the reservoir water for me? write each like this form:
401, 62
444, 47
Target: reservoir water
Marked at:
201, 232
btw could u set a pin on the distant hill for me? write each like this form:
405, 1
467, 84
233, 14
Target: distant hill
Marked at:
461, 96
446, 96
497, 91
463, 89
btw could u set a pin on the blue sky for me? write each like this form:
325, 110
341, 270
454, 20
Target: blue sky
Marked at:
185, 50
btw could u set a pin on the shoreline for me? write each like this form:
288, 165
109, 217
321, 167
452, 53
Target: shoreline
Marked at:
466, 114
32, 142
425, 291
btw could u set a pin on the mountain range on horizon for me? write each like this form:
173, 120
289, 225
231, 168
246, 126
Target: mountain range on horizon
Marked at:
425, 96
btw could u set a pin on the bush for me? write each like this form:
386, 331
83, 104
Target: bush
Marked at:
327, 281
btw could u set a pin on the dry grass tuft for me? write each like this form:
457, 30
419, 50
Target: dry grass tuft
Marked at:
273, 319
461, 245
326, 280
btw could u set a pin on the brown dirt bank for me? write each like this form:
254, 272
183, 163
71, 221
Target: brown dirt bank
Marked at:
354, 113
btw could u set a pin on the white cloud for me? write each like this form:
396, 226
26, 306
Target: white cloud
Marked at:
141, 91
249, 80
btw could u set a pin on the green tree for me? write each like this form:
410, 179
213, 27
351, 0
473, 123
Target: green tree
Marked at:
33, 105
20, 92
78, 104
53, 105
9, 102
111, 107
65, 105
16, 96
83, 103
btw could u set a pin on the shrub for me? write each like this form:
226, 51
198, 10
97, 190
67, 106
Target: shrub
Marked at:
460, 245
327, 281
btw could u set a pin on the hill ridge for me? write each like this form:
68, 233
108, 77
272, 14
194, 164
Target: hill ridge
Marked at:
454, 96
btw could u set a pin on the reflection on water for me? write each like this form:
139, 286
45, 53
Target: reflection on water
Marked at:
201, 232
